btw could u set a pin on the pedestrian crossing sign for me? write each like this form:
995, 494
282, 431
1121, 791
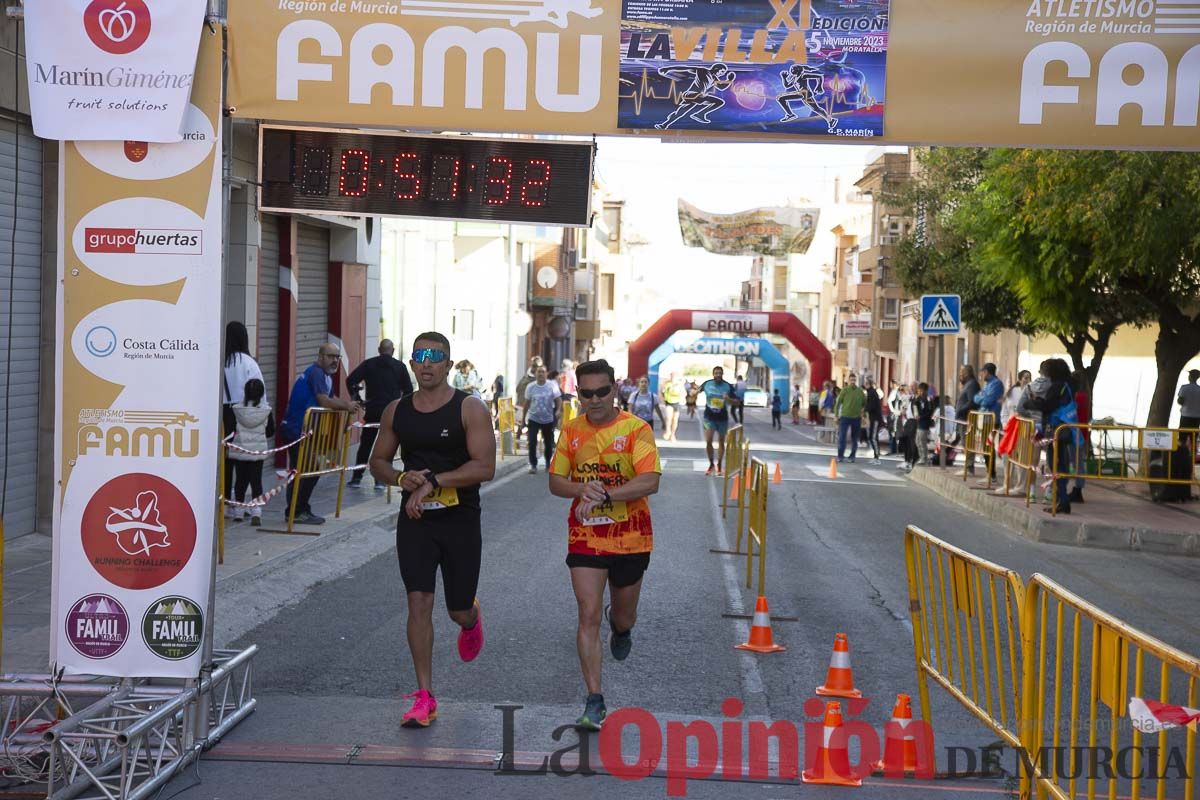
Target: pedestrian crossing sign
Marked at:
941, 313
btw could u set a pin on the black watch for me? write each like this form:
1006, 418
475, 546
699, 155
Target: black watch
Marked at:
433, 481
607, 496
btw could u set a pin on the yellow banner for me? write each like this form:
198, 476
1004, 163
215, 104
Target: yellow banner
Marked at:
1055, 73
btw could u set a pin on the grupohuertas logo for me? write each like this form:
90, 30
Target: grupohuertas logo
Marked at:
117, 26
173, 627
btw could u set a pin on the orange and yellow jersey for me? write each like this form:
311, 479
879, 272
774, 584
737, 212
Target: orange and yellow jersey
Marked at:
613, 454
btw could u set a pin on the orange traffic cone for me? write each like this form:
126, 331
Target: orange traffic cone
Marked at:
832, 767
839, 681
899, 753
833, 469
733, 492
761, 640
778, 476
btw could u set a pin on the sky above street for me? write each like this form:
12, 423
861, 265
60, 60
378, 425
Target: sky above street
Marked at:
651, 176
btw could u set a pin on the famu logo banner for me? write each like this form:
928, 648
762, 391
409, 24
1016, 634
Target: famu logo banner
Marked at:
173, 627
111, 69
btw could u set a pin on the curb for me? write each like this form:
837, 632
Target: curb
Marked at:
382, 521
1043, 528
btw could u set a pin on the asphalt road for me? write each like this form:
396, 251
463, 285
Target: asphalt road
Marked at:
333, 667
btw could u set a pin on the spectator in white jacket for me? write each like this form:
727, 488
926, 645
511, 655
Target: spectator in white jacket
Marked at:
255, 427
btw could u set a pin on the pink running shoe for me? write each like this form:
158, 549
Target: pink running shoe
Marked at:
470, 640
423, 711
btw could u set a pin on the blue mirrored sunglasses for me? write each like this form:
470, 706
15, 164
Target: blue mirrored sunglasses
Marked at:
429, 354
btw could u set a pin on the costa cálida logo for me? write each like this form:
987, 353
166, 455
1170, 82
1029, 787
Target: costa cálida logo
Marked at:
117, 26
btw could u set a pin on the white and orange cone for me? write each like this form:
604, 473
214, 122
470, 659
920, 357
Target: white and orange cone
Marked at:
899, 751
761, 639
839, 681
832, 765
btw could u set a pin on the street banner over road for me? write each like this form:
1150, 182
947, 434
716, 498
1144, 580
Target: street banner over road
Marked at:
137, 378
1047, 73
111, 69
809, 67
776, 231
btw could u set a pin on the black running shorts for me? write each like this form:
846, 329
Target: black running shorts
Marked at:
448, 539
623, 570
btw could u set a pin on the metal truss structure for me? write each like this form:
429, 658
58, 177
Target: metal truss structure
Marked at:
104, 740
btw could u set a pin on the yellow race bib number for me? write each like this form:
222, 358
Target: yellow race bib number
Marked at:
716, 403
441, 497
607, 514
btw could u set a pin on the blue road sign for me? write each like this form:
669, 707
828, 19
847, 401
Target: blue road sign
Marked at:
941, 313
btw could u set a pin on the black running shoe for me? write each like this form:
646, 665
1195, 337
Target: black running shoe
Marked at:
618, 643
594, 713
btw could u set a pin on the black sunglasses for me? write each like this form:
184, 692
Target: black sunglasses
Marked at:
588, 394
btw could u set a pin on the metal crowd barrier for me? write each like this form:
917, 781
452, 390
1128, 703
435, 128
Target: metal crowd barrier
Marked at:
977, 441
735, 437
322, 452
957, 598
1024, 457
1138, 452
756, 530
507, 425
1090, 674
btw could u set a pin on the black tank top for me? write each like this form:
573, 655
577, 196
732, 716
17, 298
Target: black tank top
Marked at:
435, 441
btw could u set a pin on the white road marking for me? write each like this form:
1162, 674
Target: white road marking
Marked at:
883, 475
821, 472
699, 465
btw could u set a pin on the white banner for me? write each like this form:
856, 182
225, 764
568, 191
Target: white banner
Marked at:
138, 379
111, 69
730, 322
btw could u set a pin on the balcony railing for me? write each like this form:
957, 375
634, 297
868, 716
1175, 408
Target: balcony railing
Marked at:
889, 324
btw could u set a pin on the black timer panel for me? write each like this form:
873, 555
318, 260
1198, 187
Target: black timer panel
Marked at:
456, 177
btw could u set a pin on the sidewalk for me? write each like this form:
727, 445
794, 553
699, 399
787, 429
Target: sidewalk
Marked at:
253, 581
1114, 516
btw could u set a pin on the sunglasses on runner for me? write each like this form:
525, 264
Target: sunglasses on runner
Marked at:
429, 354
588, 394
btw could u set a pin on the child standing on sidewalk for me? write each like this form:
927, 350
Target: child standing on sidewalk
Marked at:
255, 429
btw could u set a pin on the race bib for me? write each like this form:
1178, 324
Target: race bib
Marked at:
716, 403
607, 514
440, 497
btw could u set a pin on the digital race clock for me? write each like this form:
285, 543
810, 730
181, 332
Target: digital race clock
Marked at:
447, 177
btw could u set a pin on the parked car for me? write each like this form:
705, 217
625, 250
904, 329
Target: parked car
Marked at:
756, 397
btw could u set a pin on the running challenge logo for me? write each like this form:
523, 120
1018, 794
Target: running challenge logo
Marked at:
144, 241
117, 27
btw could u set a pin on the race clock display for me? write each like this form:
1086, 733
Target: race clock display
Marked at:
445, 177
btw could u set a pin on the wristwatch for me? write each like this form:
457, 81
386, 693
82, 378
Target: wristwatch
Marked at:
433, 481
607, 496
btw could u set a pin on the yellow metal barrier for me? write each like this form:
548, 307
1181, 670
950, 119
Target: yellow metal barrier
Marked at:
1093, 668
323, 452
1024, 457
507, 425
977, 441
1136, 453
570, 411
956, 599
756, 530
734, 439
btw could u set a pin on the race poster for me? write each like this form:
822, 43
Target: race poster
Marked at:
775, 231
137, 371
786, 67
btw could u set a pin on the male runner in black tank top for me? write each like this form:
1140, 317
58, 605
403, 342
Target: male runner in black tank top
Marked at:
446, 440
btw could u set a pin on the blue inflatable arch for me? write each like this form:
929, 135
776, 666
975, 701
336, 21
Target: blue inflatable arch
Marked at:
740, 348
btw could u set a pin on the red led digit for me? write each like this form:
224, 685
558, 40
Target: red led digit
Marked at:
443, 177
406, 176
314, 171
498, 181
380, 174
353, 179
537, 183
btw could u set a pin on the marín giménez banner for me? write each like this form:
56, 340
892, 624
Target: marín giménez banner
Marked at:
111, 70
775, 231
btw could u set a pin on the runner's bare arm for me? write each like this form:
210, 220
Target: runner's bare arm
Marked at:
383, 454
481, 445
641, 486
591, 491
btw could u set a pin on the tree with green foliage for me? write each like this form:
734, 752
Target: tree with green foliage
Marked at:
1072, 243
